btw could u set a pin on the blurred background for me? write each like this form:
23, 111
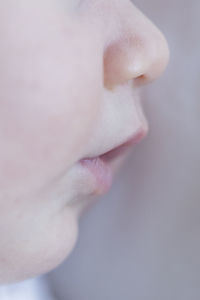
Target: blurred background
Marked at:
142, 240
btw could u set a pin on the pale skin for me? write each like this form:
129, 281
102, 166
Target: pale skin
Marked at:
67, 73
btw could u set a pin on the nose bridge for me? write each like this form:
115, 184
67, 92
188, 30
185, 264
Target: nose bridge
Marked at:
138, 50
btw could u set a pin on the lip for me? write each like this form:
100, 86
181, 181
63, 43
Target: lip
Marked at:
112, 154
100, 167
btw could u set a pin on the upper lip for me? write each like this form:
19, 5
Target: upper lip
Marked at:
134, 139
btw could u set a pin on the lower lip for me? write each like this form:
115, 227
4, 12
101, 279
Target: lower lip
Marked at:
100, 166
101, 171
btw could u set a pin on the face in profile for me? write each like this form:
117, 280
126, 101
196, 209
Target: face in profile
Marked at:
69, 110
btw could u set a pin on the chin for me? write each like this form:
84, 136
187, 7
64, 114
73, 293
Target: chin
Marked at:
44, 253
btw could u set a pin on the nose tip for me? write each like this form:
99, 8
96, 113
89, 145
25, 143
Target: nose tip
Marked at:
140, 55
150, 63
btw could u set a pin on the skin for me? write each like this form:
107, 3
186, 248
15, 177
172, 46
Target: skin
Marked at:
69, 74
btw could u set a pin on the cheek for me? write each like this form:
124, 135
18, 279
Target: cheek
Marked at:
47, 117
48, 108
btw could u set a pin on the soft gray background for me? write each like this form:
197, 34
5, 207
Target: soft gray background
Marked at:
142, 241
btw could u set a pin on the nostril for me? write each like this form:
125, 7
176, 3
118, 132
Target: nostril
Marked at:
142, 80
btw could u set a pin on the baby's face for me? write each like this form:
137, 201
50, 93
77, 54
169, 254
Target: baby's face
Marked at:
69, 73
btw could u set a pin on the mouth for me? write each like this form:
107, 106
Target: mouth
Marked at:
100, 167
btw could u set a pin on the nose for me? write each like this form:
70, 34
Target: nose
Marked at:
138, 51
